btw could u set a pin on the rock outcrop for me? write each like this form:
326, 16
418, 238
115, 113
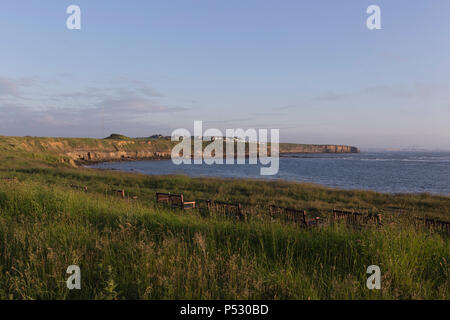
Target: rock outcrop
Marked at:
103, 156
85, 150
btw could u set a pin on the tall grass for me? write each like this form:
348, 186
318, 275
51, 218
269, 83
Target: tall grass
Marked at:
138, 250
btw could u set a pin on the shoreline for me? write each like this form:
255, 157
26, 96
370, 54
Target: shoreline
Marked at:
157, 158
260, 179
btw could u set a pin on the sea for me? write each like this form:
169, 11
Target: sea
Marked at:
388, 172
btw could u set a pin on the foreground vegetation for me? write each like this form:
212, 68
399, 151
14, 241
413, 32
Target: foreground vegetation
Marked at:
136, 249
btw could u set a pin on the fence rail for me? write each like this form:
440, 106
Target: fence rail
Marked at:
439, 225
355, 217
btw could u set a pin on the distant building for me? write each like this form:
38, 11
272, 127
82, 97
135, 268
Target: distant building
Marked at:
225, 139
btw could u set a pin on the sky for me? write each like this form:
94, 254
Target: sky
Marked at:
309, 68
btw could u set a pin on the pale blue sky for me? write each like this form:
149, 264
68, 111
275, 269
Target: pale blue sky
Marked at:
310, 68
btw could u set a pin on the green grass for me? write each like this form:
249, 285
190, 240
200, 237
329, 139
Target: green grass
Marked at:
139, 250
316, 199
136, 249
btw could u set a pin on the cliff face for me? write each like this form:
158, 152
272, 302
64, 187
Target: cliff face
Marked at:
164, 152
99, 150
113, 150
99, 156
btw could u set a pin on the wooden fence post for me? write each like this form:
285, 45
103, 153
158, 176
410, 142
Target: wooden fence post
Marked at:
379, 219
241, 215
304, 218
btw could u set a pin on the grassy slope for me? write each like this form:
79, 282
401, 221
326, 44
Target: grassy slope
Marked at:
59, 146
136, 249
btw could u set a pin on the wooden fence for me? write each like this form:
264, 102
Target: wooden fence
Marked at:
357, 218
235, 210
293, 215
227, 208
438, 225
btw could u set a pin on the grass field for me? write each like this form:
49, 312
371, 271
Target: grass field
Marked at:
137, 249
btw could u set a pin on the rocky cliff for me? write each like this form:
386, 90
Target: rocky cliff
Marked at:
99, 150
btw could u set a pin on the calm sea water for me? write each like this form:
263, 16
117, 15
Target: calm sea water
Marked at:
392, 172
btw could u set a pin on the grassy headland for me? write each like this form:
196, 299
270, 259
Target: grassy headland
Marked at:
136, 249
119, 147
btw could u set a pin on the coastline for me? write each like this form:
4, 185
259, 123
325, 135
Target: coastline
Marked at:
288, 174
83, 206
167, 157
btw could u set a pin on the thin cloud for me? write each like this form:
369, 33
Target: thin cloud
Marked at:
31, 104
136, 106
417, 91
8, 87
325, 97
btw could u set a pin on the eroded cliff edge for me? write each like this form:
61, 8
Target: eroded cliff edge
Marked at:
86, 150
